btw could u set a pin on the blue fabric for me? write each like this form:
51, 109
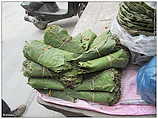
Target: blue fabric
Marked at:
146, 82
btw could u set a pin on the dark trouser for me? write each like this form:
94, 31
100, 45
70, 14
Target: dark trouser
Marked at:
6, 111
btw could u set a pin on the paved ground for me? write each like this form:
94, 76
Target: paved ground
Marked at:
15, 31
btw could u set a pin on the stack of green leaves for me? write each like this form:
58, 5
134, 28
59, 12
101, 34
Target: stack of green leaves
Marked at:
137, 18
85, 66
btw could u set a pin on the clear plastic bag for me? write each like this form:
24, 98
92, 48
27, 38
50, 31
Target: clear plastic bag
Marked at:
141, 44
142, 47
152, 4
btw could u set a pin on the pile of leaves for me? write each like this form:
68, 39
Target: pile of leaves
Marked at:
86, 66
137, 18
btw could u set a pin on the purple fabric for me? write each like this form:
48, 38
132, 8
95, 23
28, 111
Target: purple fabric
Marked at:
128, 90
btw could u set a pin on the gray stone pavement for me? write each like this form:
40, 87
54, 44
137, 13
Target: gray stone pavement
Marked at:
15, 31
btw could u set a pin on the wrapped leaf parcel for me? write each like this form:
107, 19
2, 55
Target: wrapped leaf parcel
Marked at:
104, 44
32, 69
118, 59
107, 80
85, 66
86, 38
100, 97
55, 36
54, 59
59, 38
57, 94
40, 83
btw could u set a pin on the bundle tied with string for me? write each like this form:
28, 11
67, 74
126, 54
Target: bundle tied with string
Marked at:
58, 37
55, 59
32, 69
118, 59
103, 44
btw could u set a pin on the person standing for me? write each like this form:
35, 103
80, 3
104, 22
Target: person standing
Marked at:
7, 112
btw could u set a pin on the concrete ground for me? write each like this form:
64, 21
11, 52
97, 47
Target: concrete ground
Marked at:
15, 31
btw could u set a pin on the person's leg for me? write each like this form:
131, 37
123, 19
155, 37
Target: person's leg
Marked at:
18, 112
6, 111
52, 6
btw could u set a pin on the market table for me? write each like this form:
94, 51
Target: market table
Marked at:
97, 16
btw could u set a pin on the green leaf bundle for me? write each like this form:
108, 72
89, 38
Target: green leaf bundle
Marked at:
55, 59
118, 59
59, 38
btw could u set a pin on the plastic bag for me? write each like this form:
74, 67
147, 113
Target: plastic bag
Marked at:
139, 59
146, 82
141, 44
152, 4
142, 47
